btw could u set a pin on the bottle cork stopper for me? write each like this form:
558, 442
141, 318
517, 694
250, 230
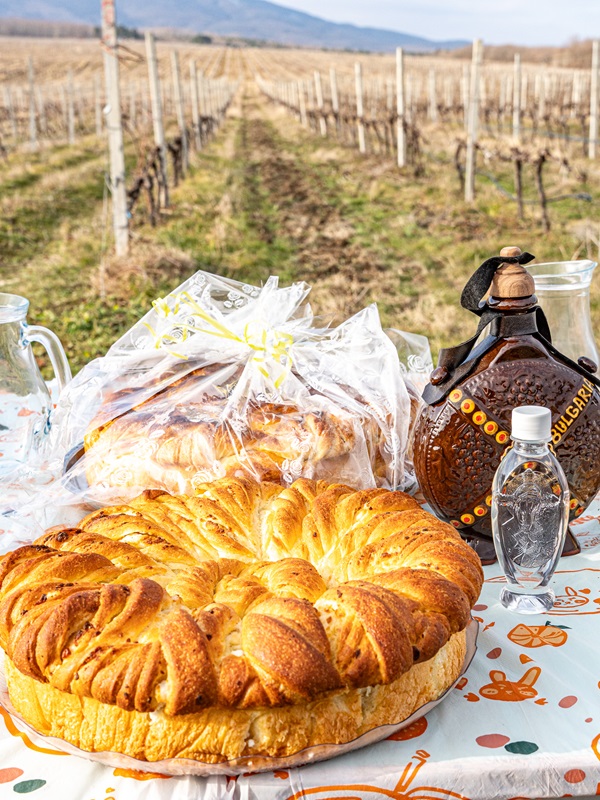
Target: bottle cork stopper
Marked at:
510, 252
511, 280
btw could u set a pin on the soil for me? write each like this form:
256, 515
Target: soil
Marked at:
310, 215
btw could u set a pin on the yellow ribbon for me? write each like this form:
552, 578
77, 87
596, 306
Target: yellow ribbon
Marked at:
276, 349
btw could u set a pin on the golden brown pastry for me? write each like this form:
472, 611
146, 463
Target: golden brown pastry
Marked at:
182, 435
248, 619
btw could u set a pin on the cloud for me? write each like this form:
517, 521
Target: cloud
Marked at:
495, 21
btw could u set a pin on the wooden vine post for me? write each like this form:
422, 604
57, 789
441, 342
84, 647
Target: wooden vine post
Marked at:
8, 102
33, 143
302, 104
179, 107
64, 109
41, 110
576, 94
294, 99
320, 103
517, 99
501, 108
360, 126
195, 105
206, 100
540, 90
519, 159
593, 140
400, 108
473, 121
115, 129
71, 109
432, 105
157, 116
335, 101
310, 103
202, 103
538, 163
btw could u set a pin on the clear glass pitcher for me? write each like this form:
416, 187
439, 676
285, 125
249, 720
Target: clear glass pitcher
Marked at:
563, 291
25, 404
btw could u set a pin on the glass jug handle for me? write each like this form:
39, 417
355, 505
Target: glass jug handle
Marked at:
58, 357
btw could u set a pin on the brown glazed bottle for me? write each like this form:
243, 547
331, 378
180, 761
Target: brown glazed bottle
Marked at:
463, 428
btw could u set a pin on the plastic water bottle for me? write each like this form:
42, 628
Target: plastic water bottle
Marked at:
530, 511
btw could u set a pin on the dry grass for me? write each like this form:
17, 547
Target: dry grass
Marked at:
148, 263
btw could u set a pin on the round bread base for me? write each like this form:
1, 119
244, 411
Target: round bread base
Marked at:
197, 744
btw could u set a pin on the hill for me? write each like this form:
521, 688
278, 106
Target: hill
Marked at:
576, 54
252, 19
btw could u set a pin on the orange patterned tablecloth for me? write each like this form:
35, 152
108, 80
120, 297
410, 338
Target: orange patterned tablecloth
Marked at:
524, 721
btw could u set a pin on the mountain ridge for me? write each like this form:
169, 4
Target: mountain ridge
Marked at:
251, 19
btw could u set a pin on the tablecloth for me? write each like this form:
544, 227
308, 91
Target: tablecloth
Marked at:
524, 721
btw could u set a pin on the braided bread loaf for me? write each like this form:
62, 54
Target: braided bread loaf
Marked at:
249, 619
181, 436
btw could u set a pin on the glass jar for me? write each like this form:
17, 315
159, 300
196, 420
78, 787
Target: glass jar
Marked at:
563, 292
25, 404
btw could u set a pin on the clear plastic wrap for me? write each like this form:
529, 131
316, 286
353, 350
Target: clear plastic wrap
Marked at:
223, 378
414, 353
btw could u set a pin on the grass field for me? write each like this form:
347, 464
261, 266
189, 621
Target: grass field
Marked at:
267, 197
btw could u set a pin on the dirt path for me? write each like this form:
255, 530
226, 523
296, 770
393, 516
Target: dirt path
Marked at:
316, 210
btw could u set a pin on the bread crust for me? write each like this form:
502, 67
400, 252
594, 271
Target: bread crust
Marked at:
215, 735
247, 602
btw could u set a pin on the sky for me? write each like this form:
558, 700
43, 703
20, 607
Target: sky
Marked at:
535, 22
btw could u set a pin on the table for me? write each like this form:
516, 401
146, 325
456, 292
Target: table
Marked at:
524, 721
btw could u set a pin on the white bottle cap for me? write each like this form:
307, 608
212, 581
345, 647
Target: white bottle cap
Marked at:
532, 424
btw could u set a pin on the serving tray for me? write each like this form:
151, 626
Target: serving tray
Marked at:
187, 766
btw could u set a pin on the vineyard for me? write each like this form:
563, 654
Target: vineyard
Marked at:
376, 178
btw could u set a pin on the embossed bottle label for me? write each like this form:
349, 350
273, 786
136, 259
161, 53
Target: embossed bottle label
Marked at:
577, 404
